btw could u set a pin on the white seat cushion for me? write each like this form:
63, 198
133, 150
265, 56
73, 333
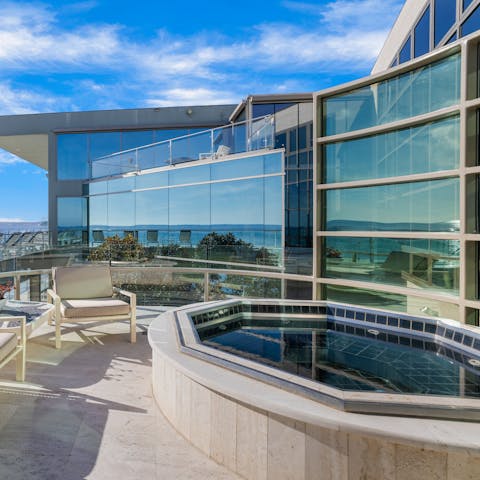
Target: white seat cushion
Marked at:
8, 342
94, 307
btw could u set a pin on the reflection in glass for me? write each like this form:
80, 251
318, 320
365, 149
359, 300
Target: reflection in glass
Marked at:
406, 52
104, 143
72, 156
71, 219
152, 180
121, 211
136, 138
192, 147
179, 217
247, 167
151, 207
420, 206
424, 263
189, 207
98, 212
444, 18
422, 34
427, 148
423, 90
472, 23
391, 301
183, 176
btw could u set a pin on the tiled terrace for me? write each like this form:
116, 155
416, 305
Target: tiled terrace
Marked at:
87, 412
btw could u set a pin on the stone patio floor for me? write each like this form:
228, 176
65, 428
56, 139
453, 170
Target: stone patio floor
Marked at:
87, 412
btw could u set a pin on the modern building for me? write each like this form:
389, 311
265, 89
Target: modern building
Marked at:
367, 190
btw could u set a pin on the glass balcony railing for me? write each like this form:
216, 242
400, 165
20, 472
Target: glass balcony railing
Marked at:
230, 139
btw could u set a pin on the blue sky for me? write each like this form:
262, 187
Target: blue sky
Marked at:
88, 55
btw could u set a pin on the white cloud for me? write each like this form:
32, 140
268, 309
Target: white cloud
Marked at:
193, 96
7, 159
14, 101
171, 70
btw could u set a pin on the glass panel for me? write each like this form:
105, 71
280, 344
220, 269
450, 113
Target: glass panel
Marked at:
421, 206
152, 180
151, 207
238, 207
424, 90
71, 219
173, 289
72, 156
162, 135
153, 156
273, 212
245, 167
121, 212
260, 110
96, 188
391, 301
422, 34
98, 214
104, 143
273, 163
466, 4
121, 184
444, 18
426, 148
472, 23
182, 176
428, 264
406, 52
228, 286
135, 139
230, 139
189, 211
192, 148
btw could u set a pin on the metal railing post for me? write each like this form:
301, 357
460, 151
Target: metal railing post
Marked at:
206, 286
17, 283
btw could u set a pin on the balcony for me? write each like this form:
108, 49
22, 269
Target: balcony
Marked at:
239, 137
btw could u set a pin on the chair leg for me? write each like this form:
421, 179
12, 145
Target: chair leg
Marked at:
20, 362
58, 334
133, 327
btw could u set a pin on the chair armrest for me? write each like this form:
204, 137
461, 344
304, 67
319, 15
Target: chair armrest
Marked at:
132, 296
22, 330
52, 297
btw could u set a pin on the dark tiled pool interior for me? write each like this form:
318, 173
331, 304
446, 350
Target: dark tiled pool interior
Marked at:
349, 349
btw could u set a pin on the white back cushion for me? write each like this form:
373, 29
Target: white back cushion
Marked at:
82, 282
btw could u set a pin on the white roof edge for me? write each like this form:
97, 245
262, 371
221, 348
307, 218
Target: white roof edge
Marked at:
399, 32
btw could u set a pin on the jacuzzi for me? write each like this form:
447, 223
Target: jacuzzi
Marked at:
272, 417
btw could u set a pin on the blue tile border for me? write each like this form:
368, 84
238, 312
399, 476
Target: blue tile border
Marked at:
410, 324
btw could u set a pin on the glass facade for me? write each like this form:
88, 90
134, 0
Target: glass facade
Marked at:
181, 206
430, 147
452, 19
420, 91
294, 133
375, 215
432, 264
430, 206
